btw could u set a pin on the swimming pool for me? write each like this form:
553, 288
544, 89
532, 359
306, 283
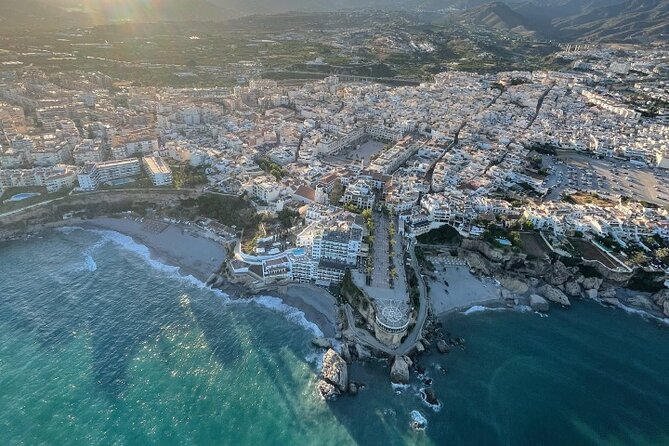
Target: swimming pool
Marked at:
24, 196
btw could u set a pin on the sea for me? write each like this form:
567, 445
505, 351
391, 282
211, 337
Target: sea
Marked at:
102, 345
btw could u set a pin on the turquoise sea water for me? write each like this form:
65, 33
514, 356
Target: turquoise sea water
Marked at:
100, 345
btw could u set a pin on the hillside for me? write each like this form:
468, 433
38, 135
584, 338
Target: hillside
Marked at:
498, 15
636, 20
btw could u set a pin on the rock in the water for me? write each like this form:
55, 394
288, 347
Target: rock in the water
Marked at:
353, 388
399, 372
612, 301
345, 352
641, 302
335, 370
361, 352
572, 289
514, 285
327, 390
557, 274
591, 293
554, 295
607, 292
321, 342
538, 303
418, 421
592, 283
660, 297
430, 396
420, 348
665, 308
442, 346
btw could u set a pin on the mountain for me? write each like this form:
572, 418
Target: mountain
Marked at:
499, 16
567, 20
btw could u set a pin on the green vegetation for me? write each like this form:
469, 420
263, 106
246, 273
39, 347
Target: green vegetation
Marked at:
230, 211
287, 217
446, 234
354, 295
184, 176
337, 192
271, 168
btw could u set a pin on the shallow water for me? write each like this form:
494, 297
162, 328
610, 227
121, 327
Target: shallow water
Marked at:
101, 345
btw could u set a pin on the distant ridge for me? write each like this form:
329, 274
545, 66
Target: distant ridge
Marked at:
635, 20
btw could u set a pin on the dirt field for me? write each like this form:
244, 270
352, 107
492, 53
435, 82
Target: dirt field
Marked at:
591, 252
533, 244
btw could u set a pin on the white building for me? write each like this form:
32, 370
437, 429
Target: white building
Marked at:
94, 174
158, 170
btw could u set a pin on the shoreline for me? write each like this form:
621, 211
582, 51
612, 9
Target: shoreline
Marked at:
194, 254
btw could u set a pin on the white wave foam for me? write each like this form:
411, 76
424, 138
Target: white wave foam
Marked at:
636, 311
423, 396
273, 303
291, 313
418, 421
69, 229
90, 263
483, 309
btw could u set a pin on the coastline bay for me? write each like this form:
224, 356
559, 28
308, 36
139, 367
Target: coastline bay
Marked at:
98, 346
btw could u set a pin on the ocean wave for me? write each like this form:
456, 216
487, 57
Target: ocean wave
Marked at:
273, 303
636, 311
291, 313
69, 229
483, 309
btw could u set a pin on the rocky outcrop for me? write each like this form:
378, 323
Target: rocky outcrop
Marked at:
362, 353
557, 274
608, 292
661, 299
572, 289
612, 301
538, 303
442, 346
334, 375
592, 283
591, 293
327, 390
477, 263
399, 372
321, 342
345, 352
619, 277
490, 253
641, 302
554, 295
430, 396
514, 285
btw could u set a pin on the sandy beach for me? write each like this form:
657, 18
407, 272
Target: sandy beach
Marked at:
319, 306
464, 290
178, 245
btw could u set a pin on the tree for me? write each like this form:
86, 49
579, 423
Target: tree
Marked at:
662, 254
639, 258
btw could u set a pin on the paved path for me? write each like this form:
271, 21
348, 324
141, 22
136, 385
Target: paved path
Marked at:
364, 337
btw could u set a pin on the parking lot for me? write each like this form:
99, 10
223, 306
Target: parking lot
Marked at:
606, 177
